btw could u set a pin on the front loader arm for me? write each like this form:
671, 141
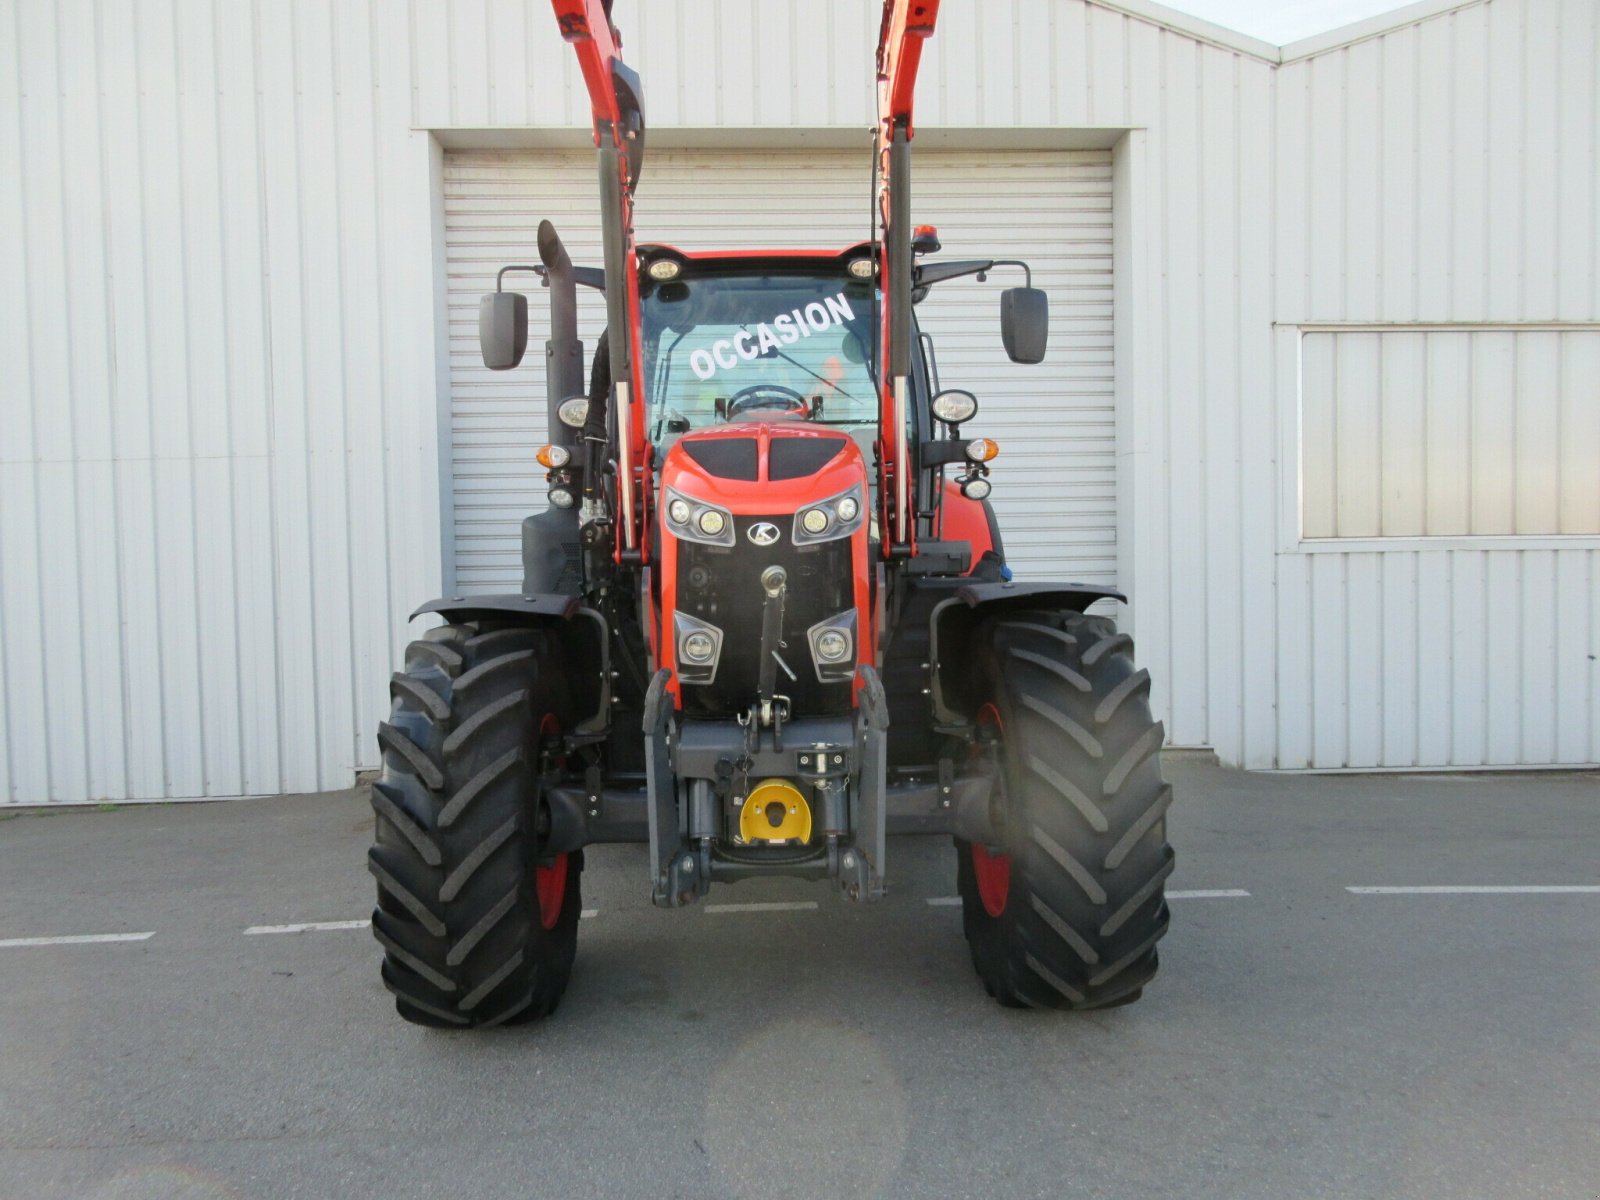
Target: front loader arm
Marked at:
907, 24
616, 102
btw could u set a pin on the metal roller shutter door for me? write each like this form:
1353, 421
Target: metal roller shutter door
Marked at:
1054, 483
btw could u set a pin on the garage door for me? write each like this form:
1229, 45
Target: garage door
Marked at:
1054, 481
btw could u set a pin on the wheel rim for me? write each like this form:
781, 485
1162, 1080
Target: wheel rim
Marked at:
991, 871
550, 883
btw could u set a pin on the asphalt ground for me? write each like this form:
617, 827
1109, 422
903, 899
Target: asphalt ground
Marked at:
1301, 1040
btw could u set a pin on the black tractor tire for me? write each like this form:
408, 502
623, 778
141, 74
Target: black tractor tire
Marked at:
476, 929
1067, 912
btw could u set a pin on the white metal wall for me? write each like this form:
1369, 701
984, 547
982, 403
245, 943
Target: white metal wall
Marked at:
221, 479
1444, 172
218, 455
1055, 483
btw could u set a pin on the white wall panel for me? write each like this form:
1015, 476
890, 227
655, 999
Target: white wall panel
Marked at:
206, 442
1436, 174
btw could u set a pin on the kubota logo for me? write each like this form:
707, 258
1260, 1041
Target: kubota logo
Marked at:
763, 533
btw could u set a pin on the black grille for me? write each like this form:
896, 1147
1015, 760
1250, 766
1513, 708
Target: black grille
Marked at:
797, 457
722, 585
726, 458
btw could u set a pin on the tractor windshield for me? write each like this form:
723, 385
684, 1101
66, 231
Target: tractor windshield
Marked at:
728, 347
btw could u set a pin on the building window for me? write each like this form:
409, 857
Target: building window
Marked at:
1449, 431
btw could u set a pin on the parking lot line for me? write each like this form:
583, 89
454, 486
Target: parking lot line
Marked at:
1210, 894
587, 913
1532, 889
78, 939
308, 927
944, 901
769, 906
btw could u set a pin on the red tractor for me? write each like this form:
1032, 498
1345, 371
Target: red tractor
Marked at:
765, 622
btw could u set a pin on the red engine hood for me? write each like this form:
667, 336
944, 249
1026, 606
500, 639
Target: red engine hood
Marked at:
764, 466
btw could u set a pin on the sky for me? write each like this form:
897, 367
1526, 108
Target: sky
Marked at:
1282, 21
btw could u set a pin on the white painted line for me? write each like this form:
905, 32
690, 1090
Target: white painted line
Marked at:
80, 939
945, 901
1536, 889
770, 906
307, 927
1210, 894
587, 913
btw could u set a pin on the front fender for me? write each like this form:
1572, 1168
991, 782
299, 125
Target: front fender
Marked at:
588, 653
953, 622
476, 608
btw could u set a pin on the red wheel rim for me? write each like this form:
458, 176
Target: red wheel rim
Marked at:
992, 872
550, 883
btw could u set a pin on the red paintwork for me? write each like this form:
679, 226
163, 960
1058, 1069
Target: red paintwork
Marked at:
992, 872
764, 498
712, 255
963, 520
550, 883
585, 25
907, 24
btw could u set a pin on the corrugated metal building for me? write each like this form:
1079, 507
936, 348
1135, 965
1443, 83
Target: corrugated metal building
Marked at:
1323, 396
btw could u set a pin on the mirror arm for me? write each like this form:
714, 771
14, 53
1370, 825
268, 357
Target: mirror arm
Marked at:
928, 274
500, 279
589, 277
1027, 271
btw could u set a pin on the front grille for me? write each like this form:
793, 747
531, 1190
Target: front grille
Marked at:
722, 585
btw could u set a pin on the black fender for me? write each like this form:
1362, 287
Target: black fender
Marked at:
588, 654
954, 620
535, 606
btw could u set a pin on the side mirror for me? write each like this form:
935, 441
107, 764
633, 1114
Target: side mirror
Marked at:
1024, 323
502, 329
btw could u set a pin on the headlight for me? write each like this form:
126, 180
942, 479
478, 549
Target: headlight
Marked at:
976, 488
574, 411
833, 643
699, 648
696, 520
836, 517
954, 407
561, 498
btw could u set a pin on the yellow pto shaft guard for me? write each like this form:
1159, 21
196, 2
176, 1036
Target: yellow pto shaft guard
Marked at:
775, 812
